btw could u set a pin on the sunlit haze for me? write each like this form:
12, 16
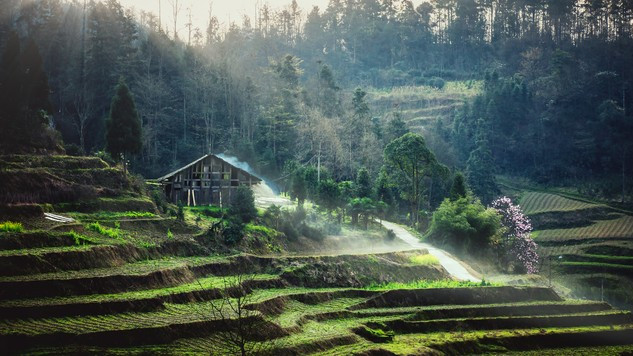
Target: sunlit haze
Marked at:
227, 11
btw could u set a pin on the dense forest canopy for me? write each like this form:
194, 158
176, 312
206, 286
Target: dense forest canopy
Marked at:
289, 88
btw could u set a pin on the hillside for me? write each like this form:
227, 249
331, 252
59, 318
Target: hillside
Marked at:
122, 277
588, 244
421, 106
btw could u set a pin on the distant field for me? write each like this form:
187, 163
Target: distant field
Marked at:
621, 227
420, 105
536, 202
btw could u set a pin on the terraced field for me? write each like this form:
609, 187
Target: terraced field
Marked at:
164, 304
538, 202
588, 245
422, 105
121, 278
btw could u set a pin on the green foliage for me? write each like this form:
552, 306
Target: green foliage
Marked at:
465, 224
105, 231
425, 284
299, 190
9, 226
243, 204
424, 260
233, 231
376, 335
396, 127
458, 189
123, 126
170, 235
180, 214
79, 239
480, 171
412, 161
328, 195
363, 208
363, 184
24, 100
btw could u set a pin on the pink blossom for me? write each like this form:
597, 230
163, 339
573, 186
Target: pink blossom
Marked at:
517, 242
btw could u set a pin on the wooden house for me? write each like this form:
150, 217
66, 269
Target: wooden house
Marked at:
207, 180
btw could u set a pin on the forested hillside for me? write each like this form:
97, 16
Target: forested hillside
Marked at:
289, 87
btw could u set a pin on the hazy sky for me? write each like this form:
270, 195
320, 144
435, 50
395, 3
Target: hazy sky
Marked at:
225, 10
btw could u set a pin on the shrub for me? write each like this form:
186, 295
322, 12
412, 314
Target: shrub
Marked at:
79, 238
376, 335
105, 231
180, 215
437, 83
170, 235
424, 260
233, 232
464, 224
243, 204
9, 226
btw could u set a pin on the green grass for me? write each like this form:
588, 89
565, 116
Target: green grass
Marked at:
424, 284
137, 268
79, 238
115, 215
105, 231
10, 226
424, 260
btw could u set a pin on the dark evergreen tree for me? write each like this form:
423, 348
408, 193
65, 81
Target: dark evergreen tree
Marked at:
363, 183
242, 206
458, 189
480, 171
123, 126
24, 100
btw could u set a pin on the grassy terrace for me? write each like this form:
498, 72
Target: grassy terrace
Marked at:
538, 202
199, 285
620, 228
137, 268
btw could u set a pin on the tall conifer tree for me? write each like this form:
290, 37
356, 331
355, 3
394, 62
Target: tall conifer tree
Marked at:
123, 127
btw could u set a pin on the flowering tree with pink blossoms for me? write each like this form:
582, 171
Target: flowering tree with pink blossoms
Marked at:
517, 244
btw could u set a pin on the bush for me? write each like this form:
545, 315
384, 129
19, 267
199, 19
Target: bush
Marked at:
465, 224
233, 232
105, 156
437, 83
424, 260
105, 231
311, 232
9, 226
74, 150
243, 204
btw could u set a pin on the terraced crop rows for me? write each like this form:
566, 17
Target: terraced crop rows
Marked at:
124, 309
537, 202
620, 228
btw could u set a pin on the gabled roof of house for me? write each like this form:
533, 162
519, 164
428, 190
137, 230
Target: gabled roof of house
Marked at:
167, 176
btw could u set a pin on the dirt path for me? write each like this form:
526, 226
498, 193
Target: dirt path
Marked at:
450, 264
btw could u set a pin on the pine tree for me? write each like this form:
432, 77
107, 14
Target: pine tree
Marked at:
480, 170
458, 189
24, 99
123, 127
243, 204
363, 183
10, 84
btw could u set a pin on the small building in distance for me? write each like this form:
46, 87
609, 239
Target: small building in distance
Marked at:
207, 180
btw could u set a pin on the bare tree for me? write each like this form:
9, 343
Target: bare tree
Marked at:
242, 329
175, 9
84, 109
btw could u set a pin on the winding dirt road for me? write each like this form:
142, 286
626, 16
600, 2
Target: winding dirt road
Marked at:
450, 264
